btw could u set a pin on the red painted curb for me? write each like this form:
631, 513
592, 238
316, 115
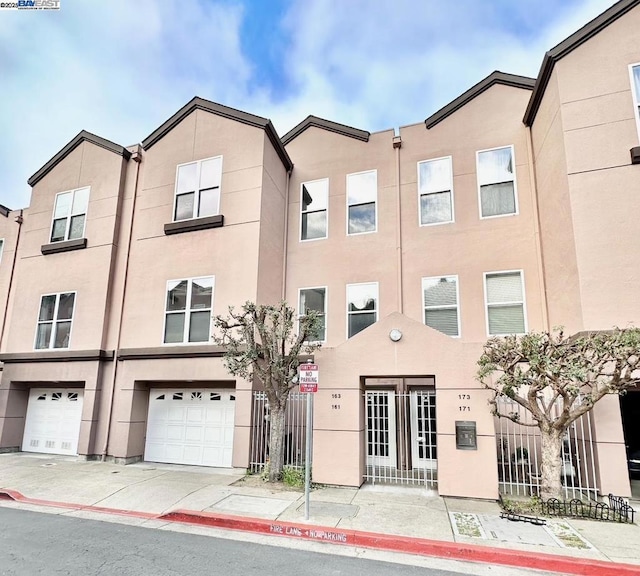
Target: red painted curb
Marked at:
6, 494
420, 546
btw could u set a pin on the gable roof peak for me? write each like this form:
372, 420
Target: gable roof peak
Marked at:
329, 125
82, 136
496, 77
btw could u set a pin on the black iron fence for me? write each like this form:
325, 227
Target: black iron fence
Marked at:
617, 510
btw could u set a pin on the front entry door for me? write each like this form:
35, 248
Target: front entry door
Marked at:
423, 429
381, 429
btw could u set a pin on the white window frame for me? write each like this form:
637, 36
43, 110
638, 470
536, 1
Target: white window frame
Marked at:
1, 249
196, 192
447, 306
635, 96
453, 212
325, 314
53, 322
515, 183
187, 311
326, 210
377, 309
70, 214
524, 299
375, 203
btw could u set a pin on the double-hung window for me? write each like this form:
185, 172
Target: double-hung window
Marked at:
634, 70
54, 320
69, 215
314, 199
188, 310
314, 299
440, 301
362, 194
504, 293
435, 191
497, 182
362, 307
198, 189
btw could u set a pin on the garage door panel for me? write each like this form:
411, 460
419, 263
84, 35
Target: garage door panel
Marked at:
52, 424
198, 428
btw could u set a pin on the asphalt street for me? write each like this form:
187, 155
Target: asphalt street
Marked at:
33, 543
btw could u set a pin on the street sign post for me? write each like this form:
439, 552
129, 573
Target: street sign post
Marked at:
308, 381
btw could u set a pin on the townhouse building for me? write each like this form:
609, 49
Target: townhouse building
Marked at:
513, 208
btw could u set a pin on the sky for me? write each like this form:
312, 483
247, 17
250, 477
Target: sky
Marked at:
120, 68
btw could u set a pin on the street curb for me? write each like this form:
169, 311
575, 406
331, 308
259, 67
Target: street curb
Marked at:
6, 494
419, 546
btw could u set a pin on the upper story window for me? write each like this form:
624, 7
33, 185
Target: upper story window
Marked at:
69, 215
362, 194
504, 293
1, 248
496, 182
314, 200
198, 189
440, 301
54, 320
188, 310
435, 191
314, 299
362, 307
634, 70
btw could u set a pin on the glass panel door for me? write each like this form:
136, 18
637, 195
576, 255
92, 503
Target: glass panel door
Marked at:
423, 429
381, 429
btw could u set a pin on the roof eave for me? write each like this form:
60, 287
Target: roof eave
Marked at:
567, 46
329, 125
497, 77
225, 112
83, 136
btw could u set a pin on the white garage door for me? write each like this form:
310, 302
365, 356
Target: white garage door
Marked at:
190, 426
53, 421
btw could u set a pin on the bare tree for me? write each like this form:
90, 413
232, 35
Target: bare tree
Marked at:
557, 379
262, 343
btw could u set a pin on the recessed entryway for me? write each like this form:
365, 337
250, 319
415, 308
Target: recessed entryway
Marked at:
190, 426
52, 425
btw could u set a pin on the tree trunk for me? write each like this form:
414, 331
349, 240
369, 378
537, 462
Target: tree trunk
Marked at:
551, 464
276, 443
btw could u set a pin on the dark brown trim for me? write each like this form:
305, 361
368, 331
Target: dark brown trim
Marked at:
66, 246
162, 352
58, 356
83, 136
316, 122
225, 112
194, 224
4, 211
635, 155
567, 46
496, 77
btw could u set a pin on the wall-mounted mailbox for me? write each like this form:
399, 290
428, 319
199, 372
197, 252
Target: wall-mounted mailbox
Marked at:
466, 438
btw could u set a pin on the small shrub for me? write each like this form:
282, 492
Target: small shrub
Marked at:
293, 477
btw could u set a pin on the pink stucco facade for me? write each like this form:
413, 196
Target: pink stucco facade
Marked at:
144, 279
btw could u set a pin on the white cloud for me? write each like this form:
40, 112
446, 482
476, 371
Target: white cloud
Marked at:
120, 68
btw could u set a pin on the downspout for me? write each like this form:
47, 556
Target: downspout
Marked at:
397, 144
19, 220
285, 236
136, 157
536, 224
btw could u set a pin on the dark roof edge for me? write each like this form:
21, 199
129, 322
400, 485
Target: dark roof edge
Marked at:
226, 112
496, 77
567, 46
329, 125
83, 136
4, 210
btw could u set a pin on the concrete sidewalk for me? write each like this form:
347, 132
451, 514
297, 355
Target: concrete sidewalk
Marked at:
213, 496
